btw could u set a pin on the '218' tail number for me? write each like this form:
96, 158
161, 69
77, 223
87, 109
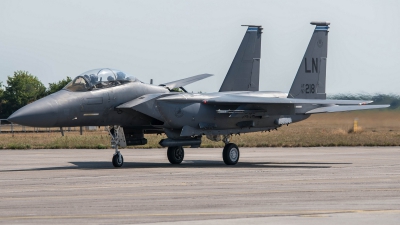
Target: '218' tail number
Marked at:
308, 88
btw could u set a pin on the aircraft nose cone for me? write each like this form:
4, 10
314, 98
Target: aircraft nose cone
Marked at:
41, 113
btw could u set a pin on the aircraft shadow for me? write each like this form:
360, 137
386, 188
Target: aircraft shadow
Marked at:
185, 164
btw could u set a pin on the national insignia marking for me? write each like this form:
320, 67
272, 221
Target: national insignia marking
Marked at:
178, 112
320, 43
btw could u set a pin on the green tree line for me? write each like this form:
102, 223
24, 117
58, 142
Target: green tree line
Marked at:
23, 88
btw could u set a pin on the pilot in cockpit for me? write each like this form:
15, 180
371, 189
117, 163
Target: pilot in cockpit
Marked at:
87, 77
93, 79
99, 79
121, 76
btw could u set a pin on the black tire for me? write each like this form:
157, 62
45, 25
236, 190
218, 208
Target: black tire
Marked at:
116, 162
230, 154
175, 154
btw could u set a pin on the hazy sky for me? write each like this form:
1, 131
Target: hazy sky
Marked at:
170, 40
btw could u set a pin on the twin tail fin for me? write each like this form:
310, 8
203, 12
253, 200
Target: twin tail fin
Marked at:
310, 79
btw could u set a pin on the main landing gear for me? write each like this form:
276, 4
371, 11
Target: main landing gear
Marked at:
231, 153
175, 154
117, 139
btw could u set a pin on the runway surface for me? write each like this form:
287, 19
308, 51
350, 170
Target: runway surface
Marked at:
358, 185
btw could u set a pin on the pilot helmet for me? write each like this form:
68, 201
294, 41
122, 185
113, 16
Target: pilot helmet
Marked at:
121, 76
93, 78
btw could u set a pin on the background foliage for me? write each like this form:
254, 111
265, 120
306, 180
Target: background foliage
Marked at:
54, 87
23, 88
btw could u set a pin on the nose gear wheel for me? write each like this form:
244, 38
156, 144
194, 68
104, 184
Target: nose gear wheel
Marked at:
117, 160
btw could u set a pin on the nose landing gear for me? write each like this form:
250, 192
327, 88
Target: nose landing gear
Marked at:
117, 139
117, 159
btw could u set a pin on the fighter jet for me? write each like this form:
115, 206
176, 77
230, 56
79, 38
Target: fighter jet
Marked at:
129, 108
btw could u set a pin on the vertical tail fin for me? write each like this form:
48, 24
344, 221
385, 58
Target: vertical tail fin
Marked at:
244, 73
310, 79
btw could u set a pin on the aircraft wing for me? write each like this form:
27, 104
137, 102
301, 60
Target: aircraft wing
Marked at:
185, 81
240, 99
337, 108
259, 100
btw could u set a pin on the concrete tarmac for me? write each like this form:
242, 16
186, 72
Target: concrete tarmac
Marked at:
338, 185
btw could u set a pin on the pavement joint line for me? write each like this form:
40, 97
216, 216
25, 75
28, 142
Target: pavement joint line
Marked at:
266, 214
194, 194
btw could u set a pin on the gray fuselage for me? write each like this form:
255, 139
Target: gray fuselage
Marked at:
177, 118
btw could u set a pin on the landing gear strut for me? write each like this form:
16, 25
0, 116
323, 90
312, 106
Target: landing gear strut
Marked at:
117, 139
175, 154
231, 153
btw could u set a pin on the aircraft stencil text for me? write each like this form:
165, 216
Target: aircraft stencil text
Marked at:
308, 88
314, 65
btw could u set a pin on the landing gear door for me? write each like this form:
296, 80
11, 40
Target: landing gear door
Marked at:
121, 138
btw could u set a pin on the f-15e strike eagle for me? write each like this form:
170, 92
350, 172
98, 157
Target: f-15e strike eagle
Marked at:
130, 108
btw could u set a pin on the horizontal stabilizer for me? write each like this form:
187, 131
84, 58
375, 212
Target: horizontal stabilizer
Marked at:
186, 81
337, 108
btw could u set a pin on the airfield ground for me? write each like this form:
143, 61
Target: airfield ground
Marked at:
321, 185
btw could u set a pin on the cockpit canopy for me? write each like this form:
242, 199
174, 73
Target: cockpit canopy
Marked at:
99, 79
